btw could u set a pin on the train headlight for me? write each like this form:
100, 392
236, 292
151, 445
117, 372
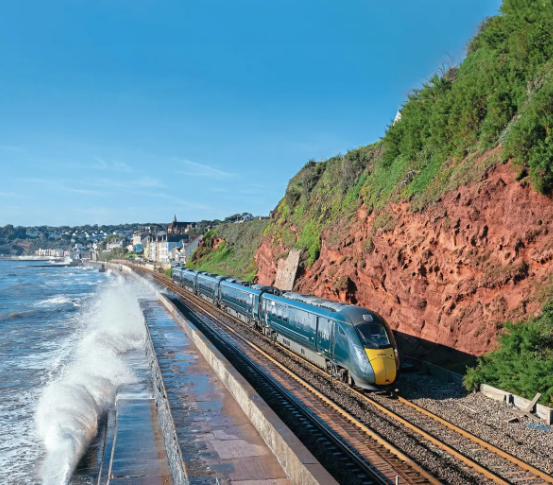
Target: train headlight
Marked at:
396, 353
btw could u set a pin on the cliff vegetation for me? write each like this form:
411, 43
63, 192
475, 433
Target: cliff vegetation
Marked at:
523, 361
444, 225
228, 249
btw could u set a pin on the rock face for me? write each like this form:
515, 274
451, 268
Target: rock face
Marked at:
451, 275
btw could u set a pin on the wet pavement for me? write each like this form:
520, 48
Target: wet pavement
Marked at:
217, 441
139, 456
131, 438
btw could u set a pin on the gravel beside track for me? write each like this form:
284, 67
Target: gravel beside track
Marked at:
475, 413
483, 417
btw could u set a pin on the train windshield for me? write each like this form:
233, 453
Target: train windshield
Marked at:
373, 335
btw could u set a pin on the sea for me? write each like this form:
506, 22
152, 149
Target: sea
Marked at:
65, 337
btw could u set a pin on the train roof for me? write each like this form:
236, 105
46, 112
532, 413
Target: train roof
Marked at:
210, 276
331, 305
273, 290
249, 288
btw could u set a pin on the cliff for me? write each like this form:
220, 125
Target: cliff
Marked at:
452, 274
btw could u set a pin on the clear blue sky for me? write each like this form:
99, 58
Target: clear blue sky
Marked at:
118, 111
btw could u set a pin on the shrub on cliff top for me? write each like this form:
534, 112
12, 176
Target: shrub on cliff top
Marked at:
504, 75
523, 361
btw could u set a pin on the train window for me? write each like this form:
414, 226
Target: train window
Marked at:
324, 334
341, 331
373, 335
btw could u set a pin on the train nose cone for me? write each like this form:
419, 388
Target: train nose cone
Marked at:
383, 364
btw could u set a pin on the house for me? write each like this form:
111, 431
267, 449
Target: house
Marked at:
169, 244
191, 247
182, 252
152, 248
115, 244
137, 238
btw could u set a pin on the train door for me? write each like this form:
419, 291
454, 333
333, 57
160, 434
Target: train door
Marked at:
325, 337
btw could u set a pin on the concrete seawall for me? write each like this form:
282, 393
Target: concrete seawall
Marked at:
174, 453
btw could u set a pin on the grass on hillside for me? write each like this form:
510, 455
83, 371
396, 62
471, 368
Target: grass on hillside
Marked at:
233, 256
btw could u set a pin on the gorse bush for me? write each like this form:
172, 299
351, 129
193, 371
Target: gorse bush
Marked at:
523, 361
470, 107
530, 141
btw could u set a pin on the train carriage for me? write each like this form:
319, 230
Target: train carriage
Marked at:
240, 300
207, 286
188, 279
177, 275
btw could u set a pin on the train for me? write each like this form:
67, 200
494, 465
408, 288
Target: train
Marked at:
351, 343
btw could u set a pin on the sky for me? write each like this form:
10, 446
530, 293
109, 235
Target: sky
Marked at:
115, 111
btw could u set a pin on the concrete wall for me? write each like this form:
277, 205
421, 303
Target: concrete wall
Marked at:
286, 271
543, 412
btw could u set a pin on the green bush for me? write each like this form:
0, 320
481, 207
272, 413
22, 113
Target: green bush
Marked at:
530, 142
461, 109
523, 362
169, 272
311, 239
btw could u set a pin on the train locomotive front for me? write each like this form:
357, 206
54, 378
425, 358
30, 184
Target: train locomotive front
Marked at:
353, 344
372, 358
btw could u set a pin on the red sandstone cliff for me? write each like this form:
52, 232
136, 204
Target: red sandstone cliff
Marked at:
451, 275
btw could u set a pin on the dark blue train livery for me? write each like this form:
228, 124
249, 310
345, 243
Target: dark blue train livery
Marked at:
351, 343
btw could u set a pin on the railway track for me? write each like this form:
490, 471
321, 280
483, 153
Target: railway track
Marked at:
483, 458
362, 453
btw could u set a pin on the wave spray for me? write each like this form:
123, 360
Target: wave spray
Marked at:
69, 409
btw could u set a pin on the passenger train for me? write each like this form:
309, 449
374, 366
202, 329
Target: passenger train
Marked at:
351, 343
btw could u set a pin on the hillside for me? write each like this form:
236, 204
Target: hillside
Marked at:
229, 249
443, 226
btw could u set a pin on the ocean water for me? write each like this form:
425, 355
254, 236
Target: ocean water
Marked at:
65, 338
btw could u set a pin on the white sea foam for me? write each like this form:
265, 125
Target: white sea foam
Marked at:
56, 300
69, 408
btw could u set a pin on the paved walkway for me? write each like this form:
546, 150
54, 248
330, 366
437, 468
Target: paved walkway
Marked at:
216, 438
139, 457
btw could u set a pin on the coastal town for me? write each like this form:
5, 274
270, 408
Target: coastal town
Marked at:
165, 244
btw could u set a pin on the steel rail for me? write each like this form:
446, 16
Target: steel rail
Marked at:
423, 475
467, 434
393, 415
